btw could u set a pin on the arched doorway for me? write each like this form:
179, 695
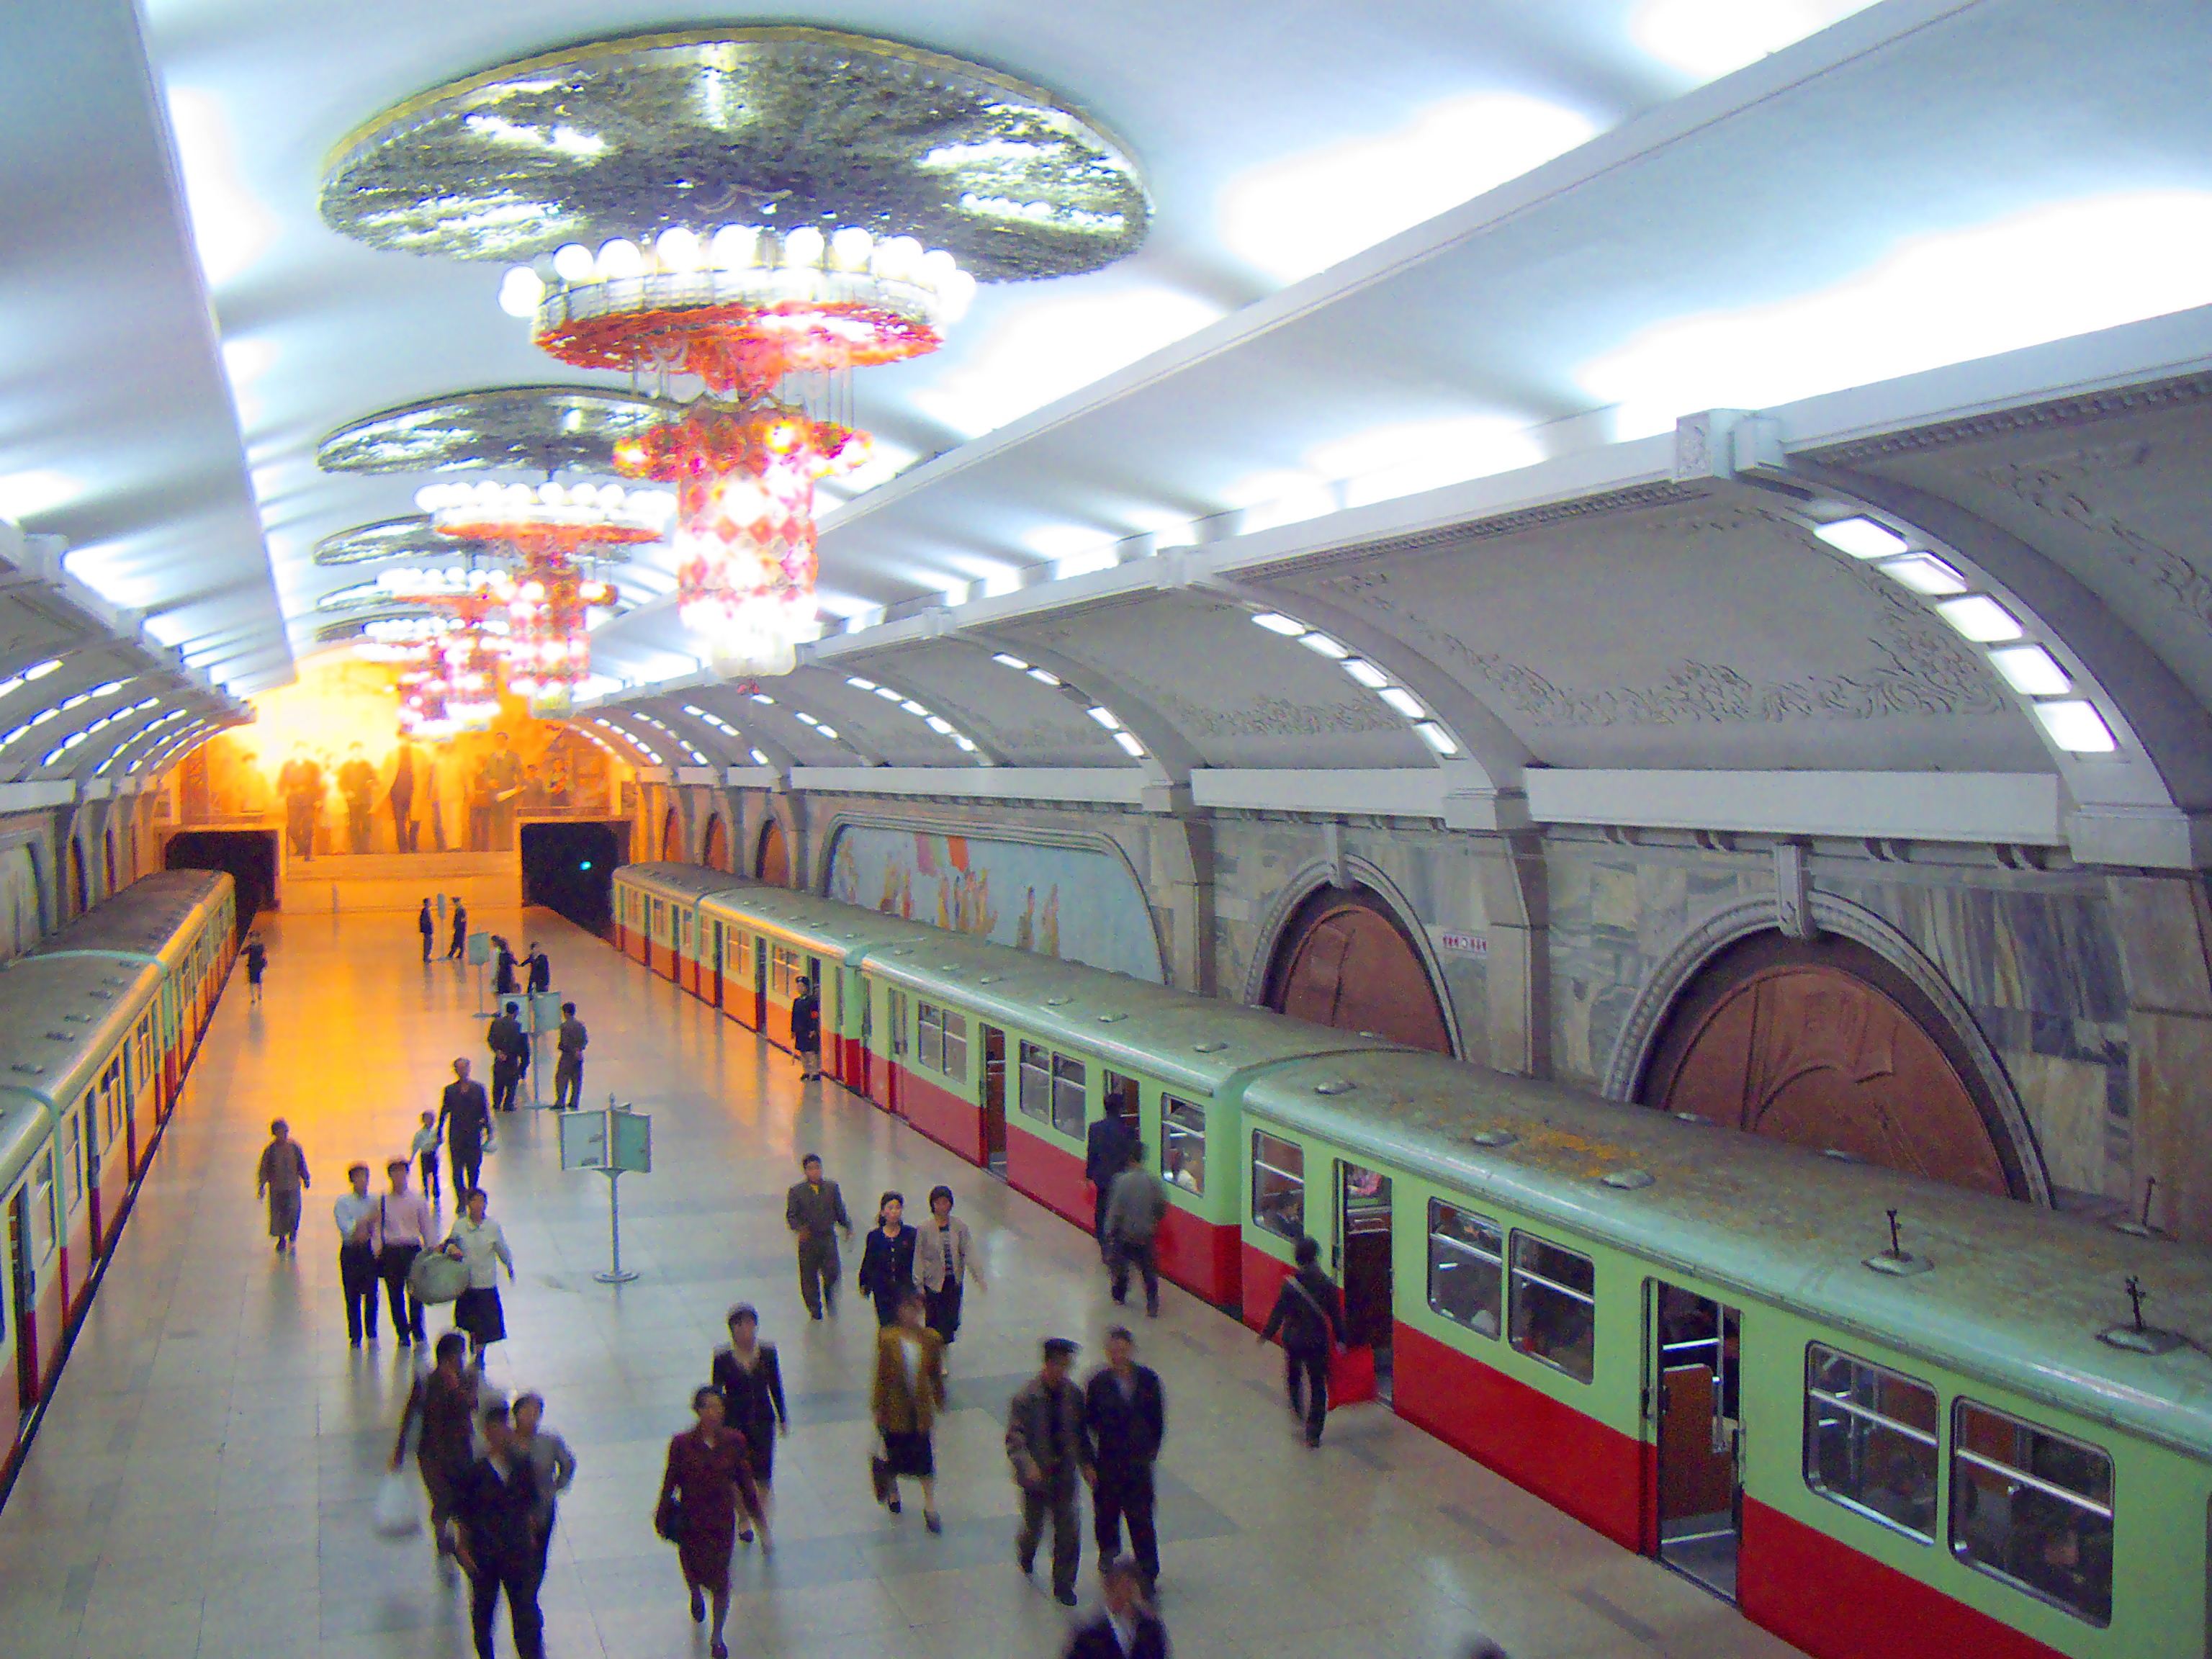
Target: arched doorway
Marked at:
108, 841
773, 864
1343, 959
672, 837
1822, 1043
79, 903
716, 855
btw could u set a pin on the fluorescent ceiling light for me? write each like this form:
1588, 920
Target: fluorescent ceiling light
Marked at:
1065, 541
2032, 671
2049, 273
1325, 646
1366, 673
1862, 539
1436, 737
1305, 213
1980, 618
1105, 717
2076, 727
1275, 622
959, 742
1043, 678
864, 685
829, 732
939, 725
1010, 661
1129, 744
1182, 533
1710, 38
759, 759
1404, 702
1923, 573
230, 228
885, 693
914, 708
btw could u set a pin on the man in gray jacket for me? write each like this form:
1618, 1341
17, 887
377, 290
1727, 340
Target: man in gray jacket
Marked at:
1133, 1214
1050, 1450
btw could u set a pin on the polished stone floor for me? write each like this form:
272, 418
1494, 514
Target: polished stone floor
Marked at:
203, 1483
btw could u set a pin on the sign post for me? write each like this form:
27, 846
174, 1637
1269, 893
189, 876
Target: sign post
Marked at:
616, 1141
479, 948
543, 1010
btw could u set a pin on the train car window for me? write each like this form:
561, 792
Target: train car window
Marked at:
1279, 1185
42, 1208
783, 968
1036, 1082
1467, 1267
1871, 1441
956, 1044
1182, 1144
73, 1153
1070, 1092
929, 1040
1554, 1306
2033, 1509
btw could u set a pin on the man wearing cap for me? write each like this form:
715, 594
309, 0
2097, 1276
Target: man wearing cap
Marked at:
1050, 1449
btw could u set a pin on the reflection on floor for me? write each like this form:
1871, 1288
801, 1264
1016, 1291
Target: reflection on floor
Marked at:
203, 1485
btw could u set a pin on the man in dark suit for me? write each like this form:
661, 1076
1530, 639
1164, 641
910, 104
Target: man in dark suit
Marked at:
509, 1052
494, 1501
1127, 1627
465, 1117
1106, 1154
429, 928
1126, 1412
1309, 1313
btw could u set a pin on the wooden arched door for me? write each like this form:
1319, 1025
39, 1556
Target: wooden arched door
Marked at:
773, 864
715, 855
1345, 960
672, 837
83, 901
1822, 1043
107, 844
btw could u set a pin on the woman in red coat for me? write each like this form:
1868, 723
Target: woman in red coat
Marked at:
709, 1474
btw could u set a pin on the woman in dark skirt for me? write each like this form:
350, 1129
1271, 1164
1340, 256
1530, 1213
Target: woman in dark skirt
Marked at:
476, 1239
709, 1476
942, 1263
751, 1382
910, 1392
887, 1261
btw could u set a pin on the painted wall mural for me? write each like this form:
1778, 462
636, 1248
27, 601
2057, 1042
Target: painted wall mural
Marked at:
1065, 902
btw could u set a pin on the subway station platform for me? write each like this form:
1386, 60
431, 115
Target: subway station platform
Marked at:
203, 1481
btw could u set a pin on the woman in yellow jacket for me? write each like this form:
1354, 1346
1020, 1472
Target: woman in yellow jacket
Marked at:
910, 1392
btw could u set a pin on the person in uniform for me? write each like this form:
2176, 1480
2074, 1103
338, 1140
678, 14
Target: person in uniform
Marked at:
465, 1114
807, 1032
568, 1065
281, 1176
1050, 1450
814, 1209
357, 786
429, 928
538, 967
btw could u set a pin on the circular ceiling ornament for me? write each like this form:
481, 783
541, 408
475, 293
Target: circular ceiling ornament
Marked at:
783, 127
387, 538
537, 428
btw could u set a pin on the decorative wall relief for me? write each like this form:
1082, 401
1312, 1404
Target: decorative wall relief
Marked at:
1275, 717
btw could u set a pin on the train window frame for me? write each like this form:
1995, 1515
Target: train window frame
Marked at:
1183, 1122
929, 1036
956, 1044
1465, 1248
1521, 1279
1816, 1480
1294, 1180
1070, 1095
47, 1239
1965, 1457
79, 1124
1033, 1063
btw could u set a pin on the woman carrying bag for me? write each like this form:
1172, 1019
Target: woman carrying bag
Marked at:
887, 1261
910, 1392
477, 1242
708, 1476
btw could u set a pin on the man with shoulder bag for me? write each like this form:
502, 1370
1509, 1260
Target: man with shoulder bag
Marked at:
1309, 1312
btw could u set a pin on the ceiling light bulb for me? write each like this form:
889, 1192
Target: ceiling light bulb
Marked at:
618, 258
1404, 702
1923, 573
2076, 727
803, 246
954, 294
759, 759
1862, 539
851, 247
677, 249
1289, 627
487, 492
896, 258
1129, 744
520, 291
552, 495
1326, 646
936, 268
572, 263
1980, 618
2032, 671
430, 498
734, 247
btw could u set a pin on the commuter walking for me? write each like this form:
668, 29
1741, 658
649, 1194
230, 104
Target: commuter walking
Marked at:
356, 1255
1125, 1412
401, 1227
429, 929
425, 1151
257, 963
1106, 1154
568, 1064
477, 1241
1127, 1627
1047, 1443
887, 1259
1133, 1215
281, 1178
707, 1479
1309, 1312
460, 942
942, 1261
510, 1054
539, 969
908, 1392
464, 1113
552, 1466
814, 1209
494, 1501
751, 1378
806, 1031
444, 1399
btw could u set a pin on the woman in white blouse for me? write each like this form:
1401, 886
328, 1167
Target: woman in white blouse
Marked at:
477, 1241
942, 1260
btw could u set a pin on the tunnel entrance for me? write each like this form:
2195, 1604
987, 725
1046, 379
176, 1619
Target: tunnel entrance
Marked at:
1343, 959
569, 868
250, 856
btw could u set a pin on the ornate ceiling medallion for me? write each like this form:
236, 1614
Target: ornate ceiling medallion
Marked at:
533, 429
388, 539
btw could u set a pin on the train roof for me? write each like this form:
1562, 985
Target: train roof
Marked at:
63, 1014
824, 926
25, 1128
2017, 1294
147, 920
684, 883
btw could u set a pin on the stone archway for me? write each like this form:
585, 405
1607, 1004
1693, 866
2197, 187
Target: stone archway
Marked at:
107, 844
715, 852
672, 837
773, 863
1345, 959
79, 899
1824, 1043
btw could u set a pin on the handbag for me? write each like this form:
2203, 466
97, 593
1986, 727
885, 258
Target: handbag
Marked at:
1351, 1377
879, 1476
668, 1518
437, 1278
397, 1513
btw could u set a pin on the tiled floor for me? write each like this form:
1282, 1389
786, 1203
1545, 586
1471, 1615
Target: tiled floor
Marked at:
203, 1483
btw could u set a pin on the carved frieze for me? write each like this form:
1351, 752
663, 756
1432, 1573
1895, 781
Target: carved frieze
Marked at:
1275, 717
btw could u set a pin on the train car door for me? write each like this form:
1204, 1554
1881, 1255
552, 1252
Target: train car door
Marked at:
718, 964
895, 1072
994, 1101
84, 1160
1695, 1360
22, 1300
1363, 1265
868, 1039
760, 982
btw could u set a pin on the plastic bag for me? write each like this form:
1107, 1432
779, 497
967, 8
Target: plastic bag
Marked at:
436, 1277
398, 1512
